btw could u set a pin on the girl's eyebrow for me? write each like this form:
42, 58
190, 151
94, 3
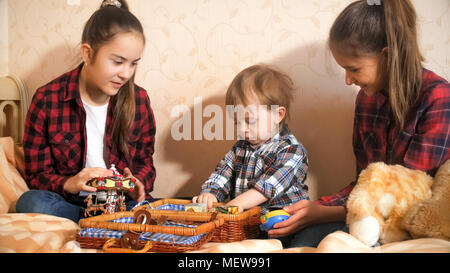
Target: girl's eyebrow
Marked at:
123, 58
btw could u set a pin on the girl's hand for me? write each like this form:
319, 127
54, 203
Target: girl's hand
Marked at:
207, 198
139, 190
77, 183
303, 213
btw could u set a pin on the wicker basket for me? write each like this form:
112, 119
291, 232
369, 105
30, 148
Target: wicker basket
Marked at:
236, 227
199, 228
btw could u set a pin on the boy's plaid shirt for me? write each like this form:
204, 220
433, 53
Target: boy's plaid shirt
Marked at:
423, 143
54, 140
276, 169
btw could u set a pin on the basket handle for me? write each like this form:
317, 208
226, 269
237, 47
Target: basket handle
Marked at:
107, 248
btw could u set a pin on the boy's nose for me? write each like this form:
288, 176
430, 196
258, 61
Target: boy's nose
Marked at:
243, 128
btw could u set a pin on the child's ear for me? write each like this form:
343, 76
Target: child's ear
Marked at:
86, 53
281, 114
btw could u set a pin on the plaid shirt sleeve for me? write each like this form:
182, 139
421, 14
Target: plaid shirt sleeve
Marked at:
143, 167
337, 199
219, 183
39, 171
428, 148
289, 167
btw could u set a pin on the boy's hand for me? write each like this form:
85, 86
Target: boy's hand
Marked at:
207, 198
248, 200
232, 203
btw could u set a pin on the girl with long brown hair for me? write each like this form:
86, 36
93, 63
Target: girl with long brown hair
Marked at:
90, 118
402, 113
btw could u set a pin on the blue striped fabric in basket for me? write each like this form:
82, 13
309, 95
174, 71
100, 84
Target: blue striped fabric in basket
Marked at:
163, 207
155, 237
170, 207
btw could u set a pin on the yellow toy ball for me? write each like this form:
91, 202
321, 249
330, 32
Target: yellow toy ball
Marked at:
273, 217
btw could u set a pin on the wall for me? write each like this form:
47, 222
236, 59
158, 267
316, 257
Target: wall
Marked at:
194, 49
4, 38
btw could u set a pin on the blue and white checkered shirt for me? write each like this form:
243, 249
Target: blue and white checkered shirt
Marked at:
276, 169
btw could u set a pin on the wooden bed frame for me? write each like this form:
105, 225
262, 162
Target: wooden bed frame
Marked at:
14, 103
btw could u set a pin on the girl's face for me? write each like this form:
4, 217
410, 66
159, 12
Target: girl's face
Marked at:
257, 123
114, 64
368, 72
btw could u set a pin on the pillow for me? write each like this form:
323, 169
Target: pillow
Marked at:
12, 184
32, 232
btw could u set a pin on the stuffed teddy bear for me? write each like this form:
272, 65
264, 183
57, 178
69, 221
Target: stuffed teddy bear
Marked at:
380, 199
431, 218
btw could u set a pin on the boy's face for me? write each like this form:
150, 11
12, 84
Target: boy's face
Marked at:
367, 72
257, 123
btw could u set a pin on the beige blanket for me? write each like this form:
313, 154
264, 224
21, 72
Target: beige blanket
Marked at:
337, 242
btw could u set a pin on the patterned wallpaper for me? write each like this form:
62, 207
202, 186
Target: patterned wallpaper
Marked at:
4, 37
194, 49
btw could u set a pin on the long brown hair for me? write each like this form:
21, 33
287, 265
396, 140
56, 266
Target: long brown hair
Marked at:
102, 27
363, 29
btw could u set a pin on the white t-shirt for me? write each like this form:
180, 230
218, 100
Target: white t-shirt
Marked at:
95, 133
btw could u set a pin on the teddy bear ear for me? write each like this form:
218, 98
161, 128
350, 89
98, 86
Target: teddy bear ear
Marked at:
414, 222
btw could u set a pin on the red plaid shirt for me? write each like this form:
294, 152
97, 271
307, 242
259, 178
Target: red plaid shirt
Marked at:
423, 143
55, 137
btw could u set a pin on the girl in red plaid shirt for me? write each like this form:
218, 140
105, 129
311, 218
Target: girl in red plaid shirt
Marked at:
402, 113
84, 121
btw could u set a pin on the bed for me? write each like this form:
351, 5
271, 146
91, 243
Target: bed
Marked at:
32, 233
